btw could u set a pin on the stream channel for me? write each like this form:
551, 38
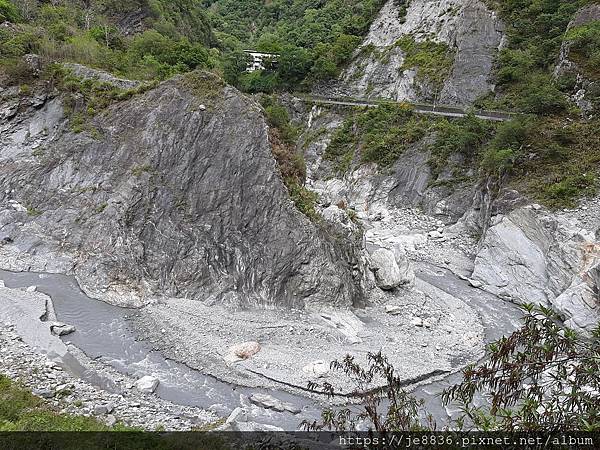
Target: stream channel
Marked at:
104, 333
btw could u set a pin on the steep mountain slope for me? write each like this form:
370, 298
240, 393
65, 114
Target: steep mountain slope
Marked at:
173, 192
491, 193
440, 50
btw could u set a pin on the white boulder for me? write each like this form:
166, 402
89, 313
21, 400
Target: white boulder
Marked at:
147, 384
316, 369
387, 273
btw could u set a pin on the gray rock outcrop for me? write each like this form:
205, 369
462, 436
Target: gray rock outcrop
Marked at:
529, 256
585, 91
472, 32
163, 196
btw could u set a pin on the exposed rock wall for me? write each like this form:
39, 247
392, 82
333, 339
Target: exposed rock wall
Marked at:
468, 27
585, 89
172, 192
531, 256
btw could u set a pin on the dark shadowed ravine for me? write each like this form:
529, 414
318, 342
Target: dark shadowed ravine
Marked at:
104, 333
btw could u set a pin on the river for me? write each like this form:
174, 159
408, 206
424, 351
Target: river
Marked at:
104, 333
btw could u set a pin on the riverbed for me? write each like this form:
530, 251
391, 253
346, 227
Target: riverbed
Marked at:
104, 333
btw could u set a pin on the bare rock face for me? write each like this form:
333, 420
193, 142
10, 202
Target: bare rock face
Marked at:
530, 256
471, 31
585, 91
173, 192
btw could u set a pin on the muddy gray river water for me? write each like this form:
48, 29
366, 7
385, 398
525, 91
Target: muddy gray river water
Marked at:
104, 333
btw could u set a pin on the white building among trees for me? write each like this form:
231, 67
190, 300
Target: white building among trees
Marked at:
260, 61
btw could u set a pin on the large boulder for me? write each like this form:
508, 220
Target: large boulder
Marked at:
147, 384
386, 270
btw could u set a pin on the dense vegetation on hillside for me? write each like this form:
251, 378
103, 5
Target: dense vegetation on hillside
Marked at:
315, 38
552, 155
139, 39
154, 39
558, 159
536, 30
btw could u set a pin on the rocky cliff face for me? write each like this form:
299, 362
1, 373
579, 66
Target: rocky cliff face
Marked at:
585, 90
530, 256
525, 253
173, 192
470, 31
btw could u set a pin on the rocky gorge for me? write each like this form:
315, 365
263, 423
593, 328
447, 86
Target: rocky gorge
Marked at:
169, 204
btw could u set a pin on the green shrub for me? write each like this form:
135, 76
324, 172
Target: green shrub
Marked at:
433, 60
304, 199
464, 136
380, 134
566, 192
585, 47
315, 39
259, 81
8, 11
387, 131
540, 95
342, 146
278, 117
505, 147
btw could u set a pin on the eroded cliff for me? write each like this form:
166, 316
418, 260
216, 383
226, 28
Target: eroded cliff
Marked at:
171, 192
441, 50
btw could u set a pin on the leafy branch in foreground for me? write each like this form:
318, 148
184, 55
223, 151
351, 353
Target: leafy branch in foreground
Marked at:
543, 377
402, 409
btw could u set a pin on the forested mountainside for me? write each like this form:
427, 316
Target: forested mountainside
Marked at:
540, 59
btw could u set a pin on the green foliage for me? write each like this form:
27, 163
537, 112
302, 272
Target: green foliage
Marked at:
380, 134
259, 81
544, 377
22, 411
8, 12
85, 98
535, 31
562, 162
553, 160
175, 38
503, 150
401, 410
207, 87
559, 366
304, 199
278, 117
314, 38
343, 146
465, 136
283, 136
585, 47
571, 187
433, 60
